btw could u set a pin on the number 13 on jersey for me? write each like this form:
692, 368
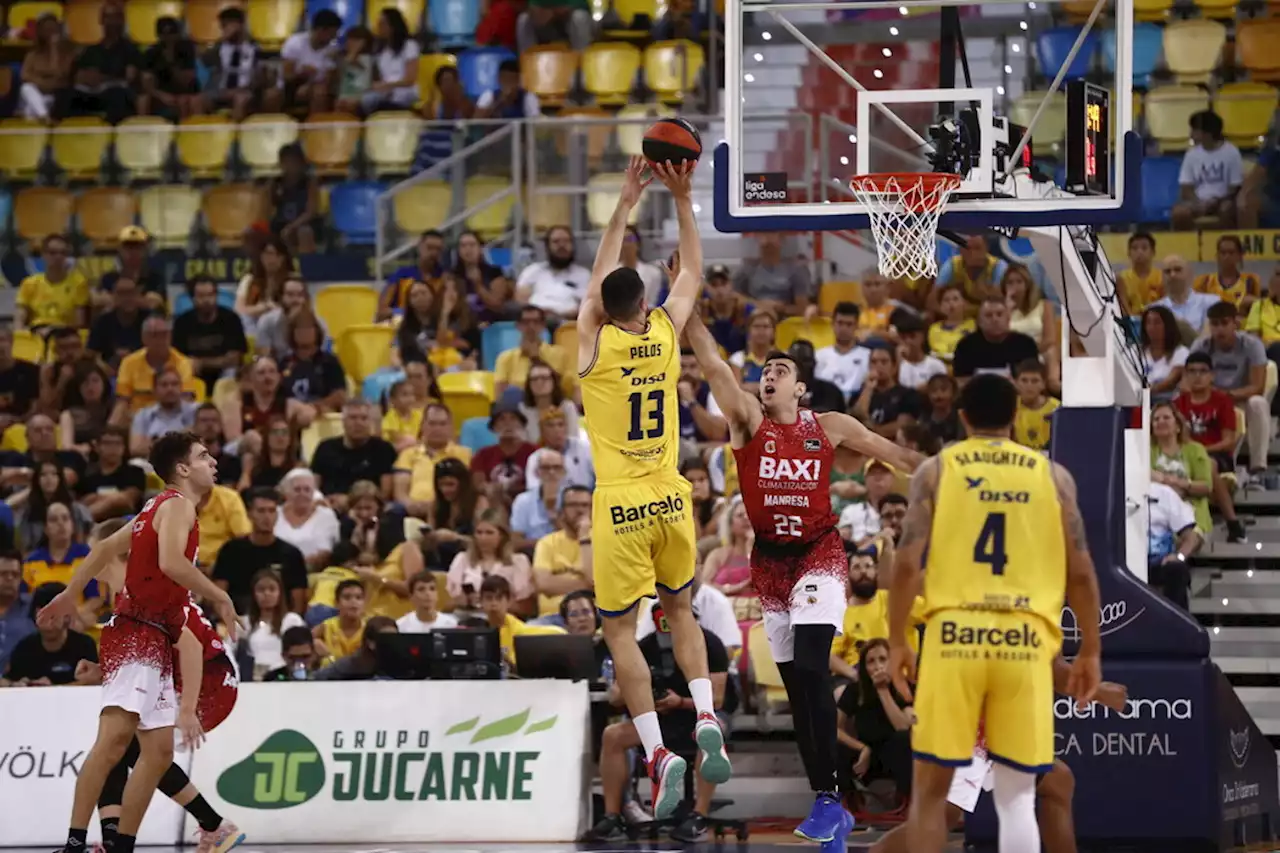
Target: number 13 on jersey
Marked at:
648, 415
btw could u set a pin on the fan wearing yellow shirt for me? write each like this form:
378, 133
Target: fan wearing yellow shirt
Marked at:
994, 538
946, 333
495, 601
867, 615
222, 518
1230, 283
59, 296
1264, 316
136, 379
873, 321
341, 635
512, 367
402, 424
1033, 424
643, 534
413, 477
1142, 283
557, 558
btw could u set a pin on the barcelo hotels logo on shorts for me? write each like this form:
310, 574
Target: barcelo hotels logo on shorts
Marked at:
1021, 637
668, 506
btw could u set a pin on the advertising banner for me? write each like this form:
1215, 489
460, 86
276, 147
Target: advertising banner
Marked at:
457, 761
47, 733
1249, 791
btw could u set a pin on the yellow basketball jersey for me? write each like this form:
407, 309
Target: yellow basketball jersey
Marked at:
630, 400
997, 541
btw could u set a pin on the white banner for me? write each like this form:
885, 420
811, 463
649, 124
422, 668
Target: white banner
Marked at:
45, 734
445, 761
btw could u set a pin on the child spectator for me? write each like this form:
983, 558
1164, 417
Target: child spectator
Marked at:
916, 367
402, 424
512, 101
1210, 176
355, 72
339, 636
264, 626
1209, 413
1032, 424
295, 201
1230, 283
425, 615
496, 603
1142, 283
234, 74
954, 325
941, 417
844, 363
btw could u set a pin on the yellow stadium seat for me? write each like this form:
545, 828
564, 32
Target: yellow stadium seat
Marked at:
602, 198
329, 140
272, 21
1222, 10
169, 213
494, 219
548, 209
671, 68
345, 305
428, 65
103, 211
421, 206
767, 677
204, 143
143, 144
1193, 48
78, 144
835, 292
609, 71
22, 144
1052, 126
261, 138
390, 140
628, 9
328, 425
41, 211
473, 381
201, 17
591, 137
1246, 110
140, 18
28, 346
1151, 10
82, 21
639, 117
229, 209
23, 16
1256, 42
794, 329
411, 9
548, 72
465, 405
1169, 108
566, 337
365, 347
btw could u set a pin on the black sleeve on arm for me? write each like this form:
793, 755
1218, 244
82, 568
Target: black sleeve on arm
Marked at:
962, 362
295, 569
236, 341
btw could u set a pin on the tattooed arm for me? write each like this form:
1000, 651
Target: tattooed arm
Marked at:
1082, 591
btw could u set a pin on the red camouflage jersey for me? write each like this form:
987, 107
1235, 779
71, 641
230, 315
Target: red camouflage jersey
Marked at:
220, 683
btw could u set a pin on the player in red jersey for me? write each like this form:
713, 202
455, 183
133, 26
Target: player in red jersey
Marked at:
798, 563
136, 649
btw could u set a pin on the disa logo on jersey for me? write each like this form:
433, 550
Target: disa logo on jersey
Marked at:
1024, 636
807, 470
637, 381
987, 496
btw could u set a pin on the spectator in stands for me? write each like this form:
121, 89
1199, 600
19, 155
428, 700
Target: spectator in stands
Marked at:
574, 452
698, 426
1029, 312
512, 101
208, 427
451, 513
1264, 320
15, 619
1187, 305
1210, 413
1256, 202
1211, 175
57, 376
51, 654
725, 310
557, 284
1229, 282
534, 511
846, 478
245, 558
106, 75
355, 69
118, 330
874, 321
915, 367
414, 472
1142, 283
112, 486
499, 468
396, 61
429, 270
819, 395
706, 503
884, 404
490, 553
496, 606
273, 331
1240, 369
783, 286
874, 724
358, 454
975, 270
860, 522
865, 618
59, 296
361, 529
235, 77
268, 618
136, 379
222, 518
279, 454
402, 423
266, 398
341, 635
728, 566
559, 560
489, 292
1184, 466
55, 554
361, 664
1171, 541
844, 363
425, 616
300, 656
46, 71
578, 611
946, 333
762, 331
211, 336
170, 85
169, 413
42, 446
1164, 354
651, 274
1033, 424
710, 607
457, 323
295, 197
19, 382
133, 263
312, 375
546, 21
681, 21
543, 394
307, 72
259, 291
303, 522
994, 348
513, 365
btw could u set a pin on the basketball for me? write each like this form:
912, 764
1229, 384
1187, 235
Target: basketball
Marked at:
672, 139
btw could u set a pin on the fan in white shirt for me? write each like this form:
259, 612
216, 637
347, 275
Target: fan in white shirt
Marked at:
426, 615
711, 608
1211, 173
916, 367
311, 528
557, 284
845, 363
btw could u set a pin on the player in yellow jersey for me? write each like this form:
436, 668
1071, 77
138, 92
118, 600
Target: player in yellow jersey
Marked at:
996, 528
642, 532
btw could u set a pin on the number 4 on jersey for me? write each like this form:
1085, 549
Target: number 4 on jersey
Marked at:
990, 547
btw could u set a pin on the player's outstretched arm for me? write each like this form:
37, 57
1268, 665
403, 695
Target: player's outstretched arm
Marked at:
735, 404
848, 431
591, 312
908, 570
191, 670
682, 298
101, 555
173, 522
1082, 592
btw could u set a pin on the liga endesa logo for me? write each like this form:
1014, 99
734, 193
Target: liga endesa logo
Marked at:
1113, 617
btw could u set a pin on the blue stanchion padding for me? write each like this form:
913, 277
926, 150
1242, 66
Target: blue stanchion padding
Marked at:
1053, 46
478, 69
353, 206
350, 11
1159, 187
1148, 42
454, 21
476, 434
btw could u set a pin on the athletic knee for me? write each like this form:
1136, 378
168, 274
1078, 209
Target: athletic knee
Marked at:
618, 737
113, 743
158, 746
1058, 786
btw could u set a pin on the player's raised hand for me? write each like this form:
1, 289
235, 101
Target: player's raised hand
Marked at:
678, 178
63, 606
671, 267
902, 668
638, 176
1085, 679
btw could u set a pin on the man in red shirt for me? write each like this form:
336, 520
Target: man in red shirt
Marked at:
1210, 413
499, 468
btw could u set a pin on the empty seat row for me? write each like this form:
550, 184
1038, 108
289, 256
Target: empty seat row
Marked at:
1156, 10
609, 70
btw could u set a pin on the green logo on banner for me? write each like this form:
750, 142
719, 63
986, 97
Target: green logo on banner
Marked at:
284, 772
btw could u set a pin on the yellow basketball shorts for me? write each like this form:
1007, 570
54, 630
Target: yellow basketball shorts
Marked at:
642, 536
988, 668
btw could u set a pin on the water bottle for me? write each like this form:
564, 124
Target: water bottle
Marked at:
299, 671
606, 672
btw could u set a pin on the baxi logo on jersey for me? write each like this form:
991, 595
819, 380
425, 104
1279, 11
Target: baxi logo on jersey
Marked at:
791, 470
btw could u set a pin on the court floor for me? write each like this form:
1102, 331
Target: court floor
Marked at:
858, 842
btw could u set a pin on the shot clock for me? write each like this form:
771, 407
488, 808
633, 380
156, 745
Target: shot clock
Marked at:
1088, 139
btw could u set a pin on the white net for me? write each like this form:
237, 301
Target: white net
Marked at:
904, 210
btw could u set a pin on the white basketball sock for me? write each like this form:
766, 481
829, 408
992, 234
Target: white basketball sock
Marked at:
650, 732
1015, 798
700, 690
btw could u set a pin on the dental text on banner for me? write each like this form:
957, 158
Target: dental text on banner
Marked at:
46, 735
380, 762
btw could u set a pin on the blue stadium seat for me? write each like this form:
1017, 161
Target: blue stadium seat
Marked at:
1159, 187
226, 298
479, 69
499, 256
497, 337
454, 22
476, 434
354, 208
6, 211
1148, 43
1052, 47
350, 11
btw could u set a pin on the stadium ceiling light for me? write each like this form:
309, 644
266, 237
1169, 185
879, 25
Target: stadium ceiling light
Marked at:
902, 10
1017, 48
1022, 25
1008, 69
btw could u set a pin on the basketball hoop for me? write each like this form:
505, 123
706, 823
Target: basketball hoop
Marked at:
904, 208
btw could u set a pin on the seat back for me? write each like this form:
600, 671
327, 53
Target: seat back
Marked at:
494, 219
83, 22
261, 137
229, 209
476, 434
391, 140
272, 21
627, 10
411, 9
496, 338
344, 305
1193, 48
609, 71
454, 21
547, 210
1053, 46
672, 68
1246, 110
140, 18
472, 381
22, 144
428, 65
631, 133
1159, 187
817, 332
143, 144
1050, 130
1256, 40
354, 210
41, 211
835, 292
478, 69
602, 198
78, 145
23, 16
465, 406
204, 142
1155, 11
103, 211
422, 206
1148, 44
168, 213
364, 348
1169, 109
548, 72
329, 141
28, 346
201, 17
